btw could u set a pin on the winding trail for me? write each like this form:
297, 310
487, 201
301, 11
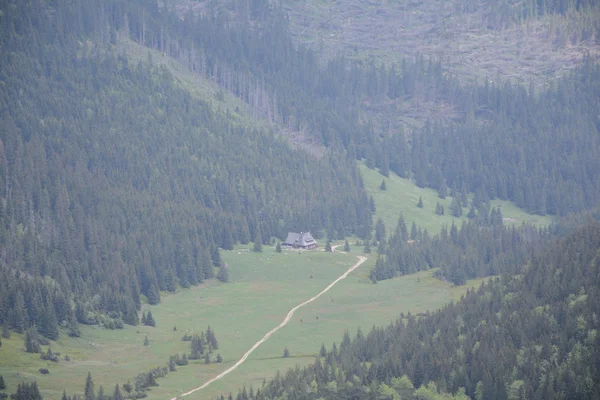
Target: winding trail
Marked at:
288, 317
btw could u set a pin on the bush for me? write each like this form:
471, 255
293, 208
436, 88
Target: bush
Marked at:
44, 371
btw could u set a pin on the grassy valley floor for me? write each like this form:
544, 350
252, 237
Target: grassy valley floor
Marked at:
262, 288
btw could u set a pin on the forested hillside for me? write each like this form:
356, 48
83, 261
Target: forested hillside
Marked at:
116, 183
530, 335
412, 116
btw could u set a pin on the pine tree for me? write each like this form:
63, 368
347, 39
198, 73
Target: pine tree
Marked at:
328, 246
383, 185
278, 248
89, 393
149, 319
101, 395
219, 358
371, 204
443, 191
117, 393
286, 353
455, 207
2, 383
32, 344
146, 341
379, 230
207, 358
5, 332
323, 351
420, 203
257, 241
346, 246
144, 318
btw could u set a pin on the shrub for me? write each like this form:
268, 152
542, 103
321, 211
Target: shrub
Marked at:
44, 371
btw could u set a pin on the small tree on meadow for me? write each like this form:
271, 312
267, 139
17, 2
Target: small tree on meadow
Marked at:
2, 383
278, 248
346, 246
328, 246
420, 203
286, 353
149, 319
383, 185
223, 274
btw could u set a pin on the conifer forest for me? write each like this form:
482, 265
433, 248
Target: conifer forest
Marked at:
144, 144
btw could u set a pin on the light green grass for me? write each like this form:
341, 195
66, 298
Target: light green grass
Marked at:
402, 196
262, 288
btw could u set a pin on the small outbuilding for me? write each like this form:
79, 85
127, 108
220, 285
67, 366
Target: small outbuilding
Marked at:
302, 240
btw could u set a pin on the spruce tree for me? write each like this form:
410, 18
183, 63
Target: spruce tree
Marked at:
150, 319
383, 185
346, 246
117, 393
89, 392
278, 247
420, 203
257, 241
455, 207
379, 230
2, 383
286, 352
328, 246
5, 332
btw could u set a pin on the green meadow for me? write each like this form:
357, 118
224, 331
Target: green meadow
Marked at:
401, 197
262, 289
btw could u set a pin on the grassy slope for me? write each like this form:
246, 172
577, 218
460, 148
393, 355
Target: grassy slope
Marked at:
263, 288
402, 196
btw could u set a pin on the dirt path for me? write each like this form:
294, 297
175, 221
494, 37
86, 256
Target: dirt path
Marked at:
288, 317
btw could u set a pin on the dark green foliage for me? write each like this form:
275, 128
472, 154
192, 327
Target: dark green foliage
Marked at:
383, 185
117, 393
27, 391
278, 247
481, 247
456, 207
146, 341
223, 274
2, 383
328, 246
49, 356
346, 246
149, 319
439, 209
367, 248
286, 353
116, 149
529, 335
89, 391
32, 341
420, 202
379, 230
219, 358
5, 332
257, 241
